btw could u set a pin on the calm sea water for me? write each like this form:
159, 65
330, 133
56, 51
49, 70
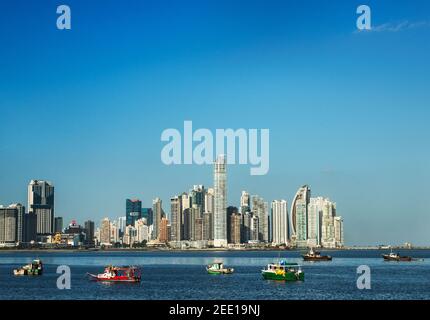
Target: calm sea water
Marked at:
182, 275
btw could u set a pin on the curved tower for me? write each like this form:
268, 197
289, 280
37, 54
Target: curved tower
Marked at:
302, 198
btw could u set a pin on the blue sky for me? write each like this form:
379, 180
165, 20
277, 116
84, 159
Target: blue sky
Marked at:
348, 112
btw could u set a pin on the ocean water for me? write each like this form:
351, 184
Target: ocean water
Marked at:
182, 275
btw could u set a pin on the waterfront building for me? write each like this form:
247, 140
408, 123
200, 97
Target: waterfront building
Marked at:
327, 226
142, 230
133, 211
235, 228
220, 201
8, 226
58, 224
114, 233
207, 226
158, 215
246, 227
20, 214
30, 227
105, 233
254, 231
130, 235
230, 211
245, 202
147, 213
121, 223
89, 232
41, 203
315, 211
176, 216
164, 230
260, 209
299, 214
279, 222
338, 232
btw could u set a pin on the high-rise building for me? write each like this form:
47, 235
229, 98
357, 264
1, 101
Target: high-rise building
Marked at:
158, 215
315, 211
208, 215
114, 232
220, 202
235, 227
58, 224
176, 216
279, 222
245, 202
142, 230
327, 224
164, 230
41, 202
338, 232
299, 216
246, 227
30, 227
148, 215
89, 232
130, 235
260, 209
133, 211
20, 214
8, 226
230, 211
105, 233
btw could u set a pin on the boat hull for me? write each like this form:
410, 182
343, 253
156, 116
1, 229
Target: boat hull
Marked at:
288, 276
388, 258
114, 279
321, 258
223, 271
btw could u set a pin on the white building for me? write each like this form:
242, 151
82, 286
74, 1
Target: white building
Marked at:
220, 202
142, 230
105, 233
338, 232
279, 222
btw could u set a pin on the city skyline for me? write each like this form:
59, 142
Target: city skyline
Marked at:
347, 110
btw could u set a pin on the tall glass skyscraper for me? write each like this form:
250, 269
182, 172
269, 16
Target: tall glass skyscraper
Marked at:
299, 215
41, 203
279, 222
133, 211
220, 201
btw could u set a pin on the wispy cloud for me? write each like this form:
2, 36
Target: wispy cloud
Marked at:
397, 27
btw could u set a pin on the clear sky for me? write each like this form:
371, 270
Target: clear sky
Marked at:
348, 112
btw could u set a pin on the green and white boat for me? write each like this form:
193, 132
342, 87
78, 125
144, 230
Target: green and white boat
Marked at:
283, 271
218, 268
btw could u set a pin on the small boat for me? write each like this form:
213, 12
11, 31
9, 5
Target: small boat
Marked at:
218, 268
315, 256
32, 269
283, 271
396, 257
118, 274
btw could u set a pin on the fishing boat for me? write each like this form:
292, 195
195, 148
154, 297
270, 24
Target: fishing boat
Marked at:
218, 268
32, 269
118, 274
315, 256
395, 257
283, 271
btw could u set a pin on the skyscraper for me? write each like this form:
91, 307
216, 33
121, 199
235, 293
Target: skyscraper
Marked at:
58, 224
315, 211
338, 232
279, 222
260, 209
235, 227
327, 224
89, 232
208, 215
41, 203
8, 225
245, 202
158, 215
176, 216
105, 232
220, 201
20, 215
164, 230
133, 211
299, 216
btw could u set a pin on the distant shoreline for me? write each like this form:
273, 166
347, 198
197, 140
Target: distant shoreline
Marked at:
75, 250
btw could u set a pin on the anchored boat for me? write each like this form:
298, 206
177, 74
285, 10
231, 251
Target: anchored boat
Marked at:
32, 269
315, 256
396, 257
118, 274
283, 271
218, 268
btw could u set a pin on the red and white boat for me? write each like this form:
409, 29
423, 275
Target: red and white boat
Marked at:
118, 274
